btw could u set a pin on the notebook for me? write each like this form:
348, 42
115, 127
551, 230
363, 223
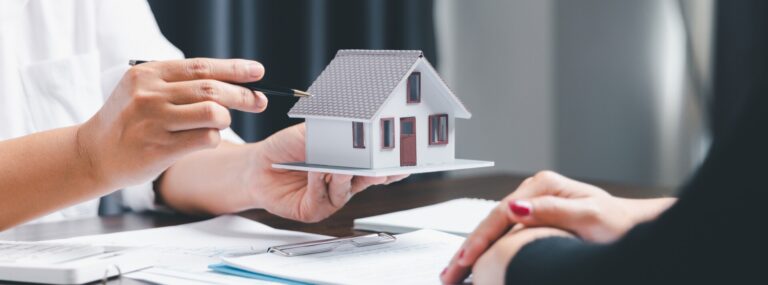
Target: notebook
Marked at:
459, 217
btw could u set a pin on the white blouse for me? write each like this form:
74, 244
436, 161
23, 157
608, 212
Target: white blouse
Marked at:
60, 60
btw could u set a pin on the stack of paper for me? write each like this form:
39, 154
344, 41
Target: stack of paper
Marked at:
184, 252
459, 216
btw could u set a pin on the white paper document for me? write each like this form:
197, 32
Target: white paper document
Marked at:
415, 258
224, 235
458, 216
185, 251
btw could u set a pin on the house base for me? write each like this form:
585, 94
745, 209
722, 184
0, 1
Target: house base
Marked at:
456, 164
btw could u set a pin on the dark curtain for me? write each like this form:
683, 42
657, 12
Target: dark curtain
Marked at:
294, 39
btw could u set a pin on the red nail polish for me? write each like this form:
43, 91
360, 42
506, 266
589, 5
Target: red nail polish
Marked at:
461, 254
520, 208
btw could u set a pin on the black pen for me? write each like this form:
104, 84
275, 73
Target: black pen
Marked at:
255, 86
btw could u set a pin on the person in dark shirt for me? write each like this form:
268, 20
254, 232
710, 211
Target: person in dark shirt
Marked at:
554, 230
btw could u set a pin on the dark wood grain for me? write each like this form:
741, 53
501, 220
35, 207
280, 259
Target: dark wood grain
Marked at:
374, 201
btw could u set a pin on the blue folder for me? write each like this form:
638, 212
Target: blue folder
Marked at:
226, 269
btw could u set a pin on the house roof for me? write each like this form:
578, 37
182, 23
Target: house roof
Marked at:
357, 83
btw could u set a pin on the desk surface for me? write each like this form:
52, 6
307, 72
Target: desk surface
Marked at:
374, 201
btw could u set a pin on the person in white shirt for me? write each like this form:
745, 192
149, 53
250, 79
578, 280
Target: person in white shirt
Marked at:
77, 123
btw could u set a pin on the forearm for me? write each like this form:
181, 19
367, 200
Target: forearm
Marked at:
206, 182
42, 172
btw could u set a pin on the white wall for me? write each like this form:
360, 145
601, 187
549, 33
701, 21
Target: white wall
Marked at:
496, 56
329, 142
625, 108
598, 89
432, 102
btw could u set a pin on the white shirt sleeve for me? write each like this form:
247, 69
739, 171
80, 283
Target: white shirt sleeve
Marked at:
128, 30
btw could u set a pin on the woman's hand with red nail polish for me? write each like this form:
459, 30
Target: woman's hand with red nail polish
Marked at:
520, 208
548, 199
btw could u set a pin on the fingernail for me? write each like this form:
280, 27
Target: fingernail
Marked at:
461, 254
262, 100
520, 208
444, 270
256, 70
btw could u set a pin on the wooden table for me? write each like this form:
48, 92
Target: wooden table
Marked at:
374, 201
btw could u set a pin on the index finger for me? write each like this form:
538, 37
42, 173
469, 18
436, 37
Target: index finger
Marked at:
495, 225
499, 221
230, 70
489, 230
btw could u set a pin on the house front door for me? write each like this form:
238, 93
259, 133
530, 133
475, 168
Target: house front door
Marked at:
408, 141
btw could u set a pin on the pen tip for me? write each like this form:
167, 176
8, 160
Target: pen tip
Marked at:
300, 93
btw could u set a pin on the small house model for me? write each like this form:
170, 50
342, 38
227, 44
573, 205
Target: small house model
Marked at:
379, 109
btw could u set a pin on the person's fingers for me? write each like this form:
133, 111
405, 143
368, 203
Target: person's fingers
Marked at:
189, 140
339, 189
317, 205
231, 70
551, 183
196, 116
225, 94
456, 274
499, 221
543, 183
550, 211
495, 225
394, 178
360, 183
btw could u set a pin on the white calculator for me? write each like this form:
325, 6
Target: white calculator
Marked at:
61, 263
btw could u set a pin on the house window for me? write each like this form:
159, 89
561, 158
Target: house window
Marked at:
358, 135
414, 88
387, 133
438, 129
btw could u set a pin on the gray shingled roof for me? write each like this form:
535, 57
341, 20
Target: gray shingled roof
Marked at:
357, 83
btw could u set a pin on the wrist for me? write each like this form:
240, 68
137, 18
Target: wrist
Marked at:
86, 159
253, 166
647, 209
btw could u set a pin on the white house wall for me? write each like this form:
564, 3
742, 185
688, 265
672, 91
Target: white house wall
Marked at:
432, 102
329, 142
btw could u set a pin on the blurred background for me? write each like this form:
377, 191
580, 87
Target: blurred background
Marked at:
610, 90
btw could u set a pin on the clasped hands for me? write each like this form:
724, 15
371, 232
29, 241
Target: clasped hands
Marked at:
545, 205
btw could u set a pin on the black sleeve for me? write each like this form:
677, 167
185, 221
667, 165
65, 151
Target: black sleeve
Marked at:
713, 234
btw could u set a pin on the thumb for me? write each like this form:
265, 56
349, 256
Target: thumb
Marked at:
550, 211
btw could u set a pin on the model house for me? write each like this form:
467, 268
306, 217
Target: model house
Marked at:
379, 109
